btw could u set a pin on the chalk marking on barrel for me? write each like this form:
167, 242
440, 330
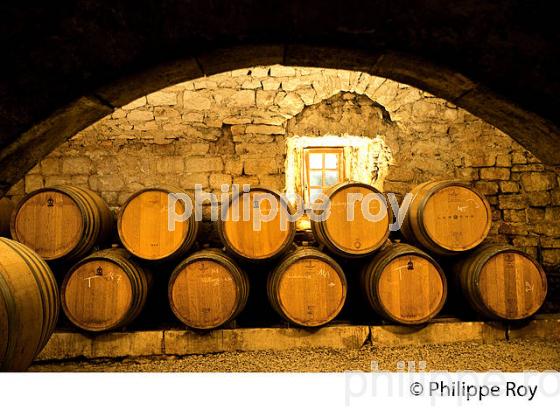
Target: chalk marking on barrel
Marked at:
112, 276
464, 207
400, 269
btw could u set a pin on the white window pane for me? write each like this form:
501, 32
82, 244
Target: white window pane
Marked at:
331, 177
313, 194
316, 178
316, 161
331, 161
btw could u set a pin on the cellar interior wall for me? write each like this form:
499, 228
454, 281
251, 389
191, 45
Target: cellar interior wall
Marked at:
233, 128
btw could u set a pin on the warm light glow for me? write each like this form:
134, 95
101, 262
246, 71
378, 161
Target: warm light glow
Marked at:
365, 159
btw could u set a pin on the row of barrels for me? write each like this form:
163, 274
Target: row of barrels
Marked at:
66, 223
108, 289
402, 284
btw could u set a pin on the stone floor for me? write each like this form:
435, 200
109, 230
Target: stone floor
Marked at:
517, 355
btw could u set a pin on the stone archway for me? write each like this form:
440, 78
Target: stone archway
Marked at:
236, 127
534, 132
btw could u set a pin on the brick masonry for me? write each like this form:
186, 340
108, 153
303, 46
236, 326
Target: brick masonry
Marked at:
232, 127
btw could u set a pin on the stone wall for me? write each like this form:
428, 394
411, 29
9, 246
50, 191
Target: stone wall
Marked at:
232, 128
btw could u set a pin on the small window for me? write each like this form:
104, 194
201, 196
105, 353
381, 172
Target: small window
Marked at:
324, 167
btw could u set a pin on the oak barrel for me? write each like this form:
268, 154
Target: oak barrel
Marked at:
501, 282
6, 209
404, 285
29, 305
105, 291
358, 220
252, 235
62, 222
207, 290
143, 224
307, 288
447, 217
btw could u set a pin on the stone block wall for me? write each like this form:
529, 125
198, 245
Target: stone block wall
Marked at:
232, 128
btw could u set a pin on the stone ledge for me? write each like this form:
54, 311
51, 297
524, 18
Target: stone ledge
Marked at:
229, 340
66, 345
544, 327
70, 345
438, 333
146, 343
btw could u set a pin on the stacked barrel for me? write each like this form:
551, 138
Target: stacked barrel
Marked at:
404, 284
63, 222
448, 218
207, 289
307, 288
245, 235
501, 282
353, 228
104, 291
107, 287
143, 224
29, 305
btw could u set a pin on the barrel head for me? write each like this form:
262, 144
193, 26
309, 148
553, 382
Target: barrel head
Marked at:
50, 223
357, 226
411, 290
249, 232
97, 295
143, 225
204, 294
456, 218
311, 292
512, 286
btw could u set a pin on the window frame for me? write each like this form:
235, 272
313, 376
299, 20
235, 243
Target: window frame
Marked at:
306, 182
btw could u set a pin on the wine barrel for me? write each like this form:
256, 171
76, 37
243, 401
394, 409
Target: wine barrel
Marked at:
6, 209
307, 288
251, 235
105, 291
349, 230
143, 225
501, 282
29, 305
447, 217
62, 222
404, 285
207, 290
